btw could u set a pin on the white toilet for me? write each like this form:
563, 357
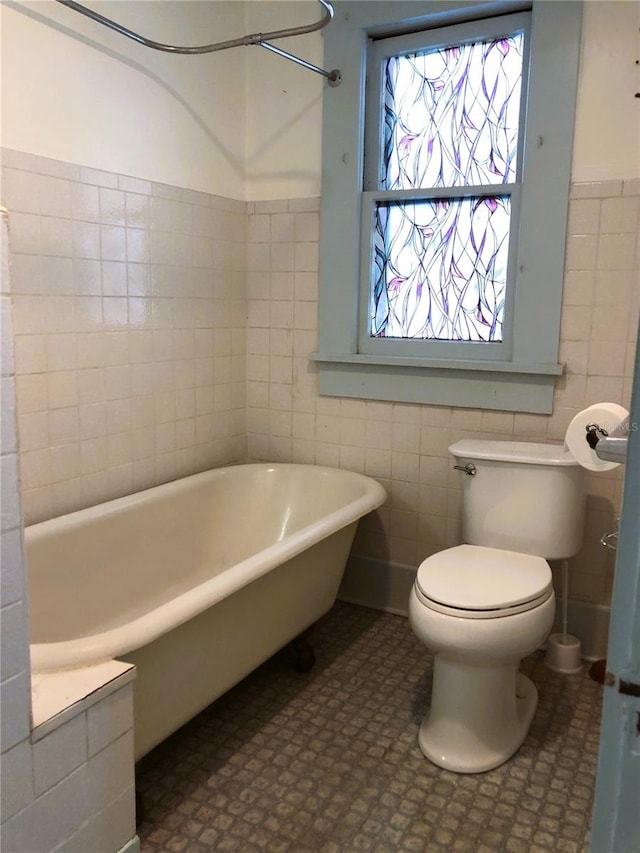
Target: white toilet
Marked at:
483, 606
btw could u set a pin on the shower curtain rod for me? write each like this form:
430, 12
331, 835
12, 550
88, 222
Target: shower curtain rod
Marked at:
260, 39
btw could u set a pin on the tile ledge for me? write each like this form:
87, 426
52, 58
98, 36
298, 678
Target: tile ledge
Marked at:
610, 188
596, 189
57, 697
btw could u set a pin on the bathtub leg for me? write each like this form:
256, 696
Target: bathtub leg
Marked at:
305, 656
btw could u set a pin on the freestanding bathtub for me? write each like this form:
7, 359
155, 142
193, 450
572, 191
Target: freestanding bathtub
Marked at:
196, 582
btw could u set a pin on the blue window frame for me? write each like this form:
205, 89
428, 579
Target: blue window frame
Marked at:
487, 335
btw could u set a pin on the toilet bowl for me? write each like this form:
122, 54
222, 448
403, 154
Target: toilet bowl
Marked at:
482, 606
479, 618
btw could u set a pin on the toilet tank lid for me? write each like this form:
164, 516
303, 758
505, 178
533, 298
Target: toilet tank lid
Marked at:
523, 452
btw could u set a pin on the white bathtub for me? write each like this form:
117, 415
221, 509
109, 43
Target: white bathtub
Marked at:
196, 582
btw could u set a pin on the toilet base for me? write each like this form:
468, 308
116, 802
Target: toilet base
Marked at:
479, 716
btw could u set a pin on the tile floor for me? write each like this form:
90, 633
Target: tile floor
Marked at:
328, 761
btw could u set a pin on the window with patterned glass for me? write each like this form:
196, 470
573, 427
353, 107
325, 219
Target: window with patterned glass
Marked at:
442, 168
446, 166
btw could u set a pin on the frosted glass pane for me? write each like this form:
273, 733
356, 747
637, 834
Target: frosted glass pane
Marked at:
440, 269
452, 115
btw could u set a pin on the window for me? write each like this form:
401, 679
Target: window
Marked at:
446, 169
443, 118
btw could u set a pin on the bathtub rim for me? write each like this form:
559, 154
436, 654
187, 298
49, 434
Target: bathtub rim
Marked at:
138, 632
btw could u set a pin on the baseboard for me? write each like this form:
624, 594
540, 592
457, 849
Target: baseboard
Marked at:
377, 584
132, 846
386, 586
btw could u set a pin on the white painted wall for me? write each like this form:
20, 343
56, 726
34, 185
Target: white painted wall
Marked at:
78, 92
284, 108
607, 140
242, 123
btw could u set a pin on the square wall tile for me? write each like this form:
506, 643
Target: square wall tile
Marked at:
59, 754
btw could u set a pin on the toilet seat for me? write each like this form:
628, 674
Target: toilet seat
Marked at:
475, 582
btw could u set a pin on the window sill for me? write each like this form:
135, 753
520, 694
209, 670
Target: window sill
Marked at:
440, 364
498, 385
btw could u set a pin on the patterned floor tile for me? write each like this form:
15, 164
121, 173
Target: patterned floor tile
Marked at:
328, 761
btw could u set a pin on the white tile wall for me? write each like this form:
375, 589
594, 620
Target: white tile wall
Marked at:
108, 720
59, 754
405, 446
129, 321
14, 680
73, 788
73, 807
61, 787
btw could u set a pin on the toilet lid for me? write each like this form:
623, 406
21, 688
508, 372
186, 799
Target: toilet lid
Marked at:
472, 577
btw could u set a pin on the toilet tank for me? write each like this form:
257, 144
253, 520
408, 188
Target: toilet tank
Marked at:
523, 497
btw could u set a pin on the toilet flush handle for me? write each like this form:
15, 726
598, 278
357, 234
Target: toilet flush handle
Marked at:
469, 468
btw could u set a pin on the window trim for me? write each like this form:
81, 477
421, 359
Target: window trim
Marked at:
379, 50
507, 383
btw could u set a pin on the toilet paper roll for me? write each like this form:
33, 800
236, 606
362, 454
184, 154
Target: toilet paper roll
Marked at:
609, 416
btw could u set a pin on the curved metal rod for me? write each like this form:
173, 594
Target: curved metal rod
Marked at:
253, 38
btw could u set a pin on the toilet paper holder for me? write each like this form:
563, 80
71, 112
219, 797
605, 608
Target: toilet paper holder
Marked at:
594, 433
610, 540
608, 447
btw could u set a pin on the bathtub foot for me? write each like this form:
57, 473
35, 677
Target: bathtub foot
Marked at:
305, 656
